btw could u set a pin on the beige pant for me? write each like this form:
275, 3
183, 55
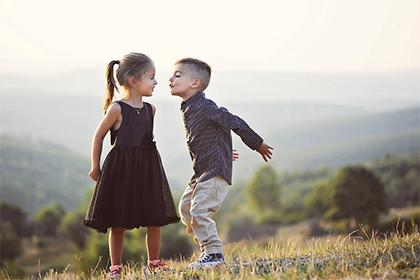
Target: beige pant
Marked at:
196, 208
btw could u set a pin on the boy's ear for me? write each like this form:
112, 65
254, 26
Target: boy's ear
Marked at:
196, 83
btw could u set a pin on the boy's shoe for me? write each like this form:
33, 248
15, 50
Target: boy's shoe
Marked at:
114, 272
208, 260
157, 266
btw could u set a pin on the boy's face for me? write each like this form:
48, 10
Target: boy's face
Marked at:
182, 82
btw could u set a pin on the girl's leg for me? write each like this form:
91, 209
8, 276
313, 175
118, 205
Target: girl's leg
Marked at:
116, 245
153, 243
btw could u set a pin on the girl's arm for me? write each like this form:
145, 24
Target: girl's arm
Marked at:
154, 112
112, 116
153, 109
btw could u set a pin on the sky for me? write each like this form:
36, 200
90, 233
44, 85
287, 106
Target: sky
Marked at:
322, 36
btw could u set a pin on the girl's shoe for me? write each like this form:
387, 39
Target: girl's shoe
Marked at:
157, 266
114, 272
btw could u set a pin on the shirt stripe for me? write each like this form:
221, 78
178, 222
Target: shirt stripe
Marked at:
209, 140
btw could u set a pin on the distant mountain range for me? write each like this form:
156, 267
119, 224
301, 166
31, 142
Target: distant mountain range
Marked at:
304, 134
310, 119
35, 172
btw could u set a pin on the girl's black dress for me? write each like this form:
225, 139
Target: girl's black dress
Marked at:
132, 190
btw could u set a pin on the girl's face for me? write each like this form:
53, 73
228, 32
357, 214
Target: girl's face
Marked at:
146, 84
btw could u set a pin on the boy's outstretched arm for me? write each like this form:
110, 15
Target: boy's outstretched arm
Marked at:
226, 119
265, 151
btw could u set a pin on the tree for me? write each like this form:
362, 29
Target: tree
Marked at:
318, 201
72, 227
10, 242
13, 226
16, 217
263, 192
48, 219
357, 194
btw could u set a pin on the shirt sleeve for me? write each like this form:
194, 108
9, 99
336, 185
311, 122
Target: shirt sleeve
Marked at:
223, 117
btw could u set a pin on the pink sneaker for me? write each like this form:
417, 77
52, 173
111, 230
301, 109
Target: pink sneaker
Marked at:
114, 272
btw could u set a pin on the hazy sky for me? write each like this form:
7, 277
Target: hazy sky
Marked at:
299, 35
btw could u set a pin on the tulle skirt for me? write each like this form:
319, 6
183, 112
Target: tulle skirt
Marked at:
132, 191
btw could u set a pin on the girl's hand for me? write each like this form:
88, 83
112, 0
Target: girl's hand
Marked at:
235, 155
265, 151
94, 173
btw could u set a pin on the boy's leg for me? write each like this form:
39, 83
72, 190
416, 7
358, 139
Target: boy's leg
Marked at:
184, 208
206, 199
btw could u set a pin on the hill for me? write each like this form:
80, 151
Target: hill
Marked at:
34, 173
304, 135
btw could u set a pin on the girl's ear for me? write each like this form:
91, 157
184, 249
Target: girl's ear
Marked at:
131, 81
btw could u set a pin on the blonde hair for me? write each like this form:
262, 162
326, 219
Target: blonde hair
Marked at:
132, 64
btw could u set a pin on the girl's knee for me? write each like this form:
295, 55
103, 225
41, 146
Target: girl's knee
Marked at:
153, 229
117, 230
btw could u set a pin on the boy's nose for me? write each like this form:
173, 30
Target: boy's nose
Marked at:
171, 79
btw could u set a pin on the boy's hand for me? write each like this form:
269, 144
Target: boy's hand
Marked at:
235, 155
94, 173
265, 151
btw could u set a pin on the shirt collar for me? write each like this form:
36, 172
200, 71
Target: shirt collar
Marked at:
193, 99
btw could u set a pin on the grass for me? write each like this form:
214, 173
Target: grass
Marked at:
340, 257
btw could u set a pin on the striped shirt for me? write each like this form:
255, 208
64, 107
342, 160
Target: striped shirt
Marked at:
209, 140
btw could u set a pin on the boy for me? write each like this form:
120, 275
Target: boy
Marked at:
210, 145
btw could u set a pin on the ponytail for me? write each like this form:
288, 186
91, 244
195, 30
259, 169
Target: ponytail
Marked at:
111, 85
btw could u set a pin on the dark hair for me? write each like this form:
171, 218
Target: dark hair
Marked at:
132, 64
202, 69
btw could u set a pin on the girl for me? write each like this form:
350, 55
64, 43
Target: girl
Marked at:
131, 189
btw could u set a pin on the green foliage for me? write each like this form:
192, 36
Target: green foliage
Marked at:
244, 227
135, 245
10, 242
13, 226
48, 219
73, 229
16, 217
318, 201
403, 222
263, 192
175, 242
357, 193
272, 217
33, 173
95, 253
12, 270
401, 178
